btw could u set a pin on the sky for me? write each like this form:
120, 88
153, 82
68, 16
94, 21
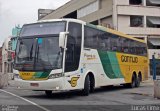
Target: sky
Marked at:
14, 12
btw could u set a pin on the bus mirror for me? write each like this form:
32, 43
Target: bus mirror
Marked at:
62, 37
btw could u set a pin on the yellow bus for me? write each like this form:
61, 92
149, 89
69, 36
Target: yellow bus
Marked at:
69, 54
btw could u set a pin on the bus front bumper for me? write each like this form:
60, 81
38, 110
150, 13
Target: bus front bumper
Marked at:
50, 84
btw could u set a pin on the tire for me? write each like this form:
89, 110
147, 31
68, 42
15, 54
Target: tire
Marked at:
133, 83
138, 81
48, 93
92, 85
86, 90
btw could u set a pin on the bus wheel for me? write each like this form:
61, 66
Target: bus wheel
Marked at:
86, 89
134, 81
92, 83
138, 80
48, 93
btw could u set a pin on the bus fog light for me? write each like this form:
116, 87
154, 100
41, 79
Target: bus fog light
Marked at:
53, 76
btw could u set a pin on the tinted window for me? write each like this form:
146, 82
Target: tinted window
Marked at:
105, 41
73, 47
90, 38
25, 50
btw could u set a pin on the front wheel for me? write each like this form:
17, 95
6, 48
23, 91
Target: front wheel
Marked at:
86, 89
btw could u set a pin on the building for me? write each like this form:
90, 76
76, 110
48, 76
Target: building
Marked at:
15, 33
139, 18
0, 59
12, 47
43, 12
13, 43
5, 63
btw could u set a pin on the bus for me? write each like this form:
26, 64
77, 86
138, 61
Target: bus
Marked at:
70, 54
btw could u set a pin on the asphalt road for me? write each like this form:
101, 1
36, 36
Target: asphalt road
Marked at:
115, 98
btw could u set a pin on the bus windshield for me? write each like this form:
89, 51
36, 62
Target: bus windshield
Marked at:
39, 50
41, 53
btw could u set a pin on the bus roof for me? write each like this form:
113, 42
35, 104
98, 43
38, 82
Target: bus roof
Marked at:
94, 26
63, 19
115, 32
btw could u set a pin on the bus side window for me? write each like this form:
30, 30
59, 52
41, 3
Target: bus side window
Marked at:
91, 38
113, 40
126, 45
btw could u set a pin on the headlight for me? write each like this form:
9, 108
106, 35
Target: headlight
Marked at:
53, 76
16, 76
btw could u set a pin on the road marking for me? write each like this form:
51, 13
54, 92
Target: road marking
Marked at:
41, 107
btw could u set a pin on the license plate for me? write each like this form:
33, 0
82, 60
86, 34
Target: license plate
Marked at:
34, 84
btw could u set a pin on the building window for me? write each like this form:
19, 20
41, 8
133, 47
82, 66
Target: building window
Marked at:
136, 21
153, 2
135, 2
153, 22
94, 22
71, 15
88, 9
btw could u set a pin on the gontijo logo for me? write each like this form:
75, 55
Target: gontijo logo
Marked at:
129, 59
90, 56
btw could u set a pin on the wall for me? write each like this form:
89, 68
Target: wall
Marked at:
124, 26
154, 52
69, 7
137, 10
104, 11
5, 56
122, 2
4, 74
107, 22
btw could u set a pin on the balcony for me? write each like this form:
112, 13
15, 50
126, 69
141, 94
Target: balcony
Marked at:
137, 10
140, 30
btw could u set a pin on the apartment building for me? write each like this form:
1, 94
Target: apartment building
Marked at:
139, 18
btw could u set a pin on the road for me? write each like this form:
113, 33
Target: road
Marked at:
115, 98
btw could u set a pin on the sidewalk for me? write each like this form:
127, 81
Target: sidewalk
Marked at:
146, 89
148, 82
3, 80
